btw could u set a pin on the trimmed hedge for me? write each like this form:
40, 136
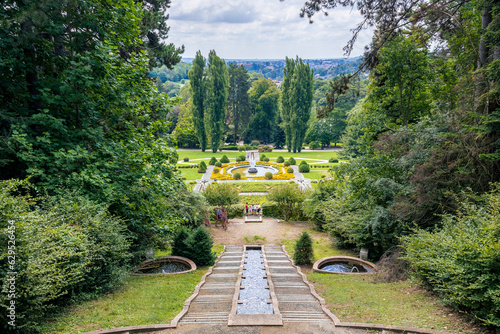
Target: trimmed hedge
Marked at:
224, 159
212, 161
289, 170
186, 159
280, 160
269, 175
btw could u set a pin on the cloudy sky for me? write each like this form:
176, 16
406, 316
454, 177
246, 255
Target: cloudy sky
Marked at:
261, 29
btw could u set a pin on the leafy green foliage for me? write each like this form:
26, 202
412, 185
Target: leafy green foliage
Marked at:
286, 163
269, 175
212, 161
221, 194
289, 170
218, 164
288, 197
224, 160
238, 99
197, 81
304, 168
280, 160
292, 161
66, 248
264, 98
303, 254
180, 243
237, 176
200, 244
461, 260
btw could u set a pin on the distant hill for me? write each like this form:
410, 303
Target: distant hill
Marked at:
270, 68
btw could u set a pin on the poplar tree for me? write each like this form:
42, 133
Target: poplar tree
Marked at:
238, 101
217, 91
286, 108
197, 81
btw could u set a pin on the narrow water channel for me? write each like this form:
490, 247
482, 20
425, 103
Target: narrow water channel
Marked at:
254, 294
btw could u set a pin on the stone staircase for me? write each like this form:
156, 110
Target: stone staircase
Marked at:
295, 301
214, 301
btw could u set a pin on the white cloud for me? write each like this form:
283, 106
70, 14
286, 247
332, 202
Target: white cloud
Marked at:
260, 29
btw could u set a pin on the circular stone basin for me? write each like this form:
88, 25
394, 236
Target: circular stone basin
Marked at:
164, 266
253, 171
343, 265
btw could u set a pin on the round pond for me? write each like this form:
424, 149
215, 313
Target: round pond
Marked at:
343, 265
260, 170
164, 266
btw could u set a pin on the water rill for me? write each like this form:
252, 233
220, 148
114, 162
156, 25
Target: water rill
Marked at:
254, 300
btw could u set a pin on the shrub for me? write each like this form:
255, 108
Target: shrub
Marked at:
242, 148
221, 194
200, 247
242, 157
192, 182
288, 197
254, 143
224, 159
262, 156
287, 163
461, 261
202, 167
216, 170
180, 244
323, 176
280, 160
292, 161
332, 160
186, 159
264, 148
212, 161
304, 168
303, 162
314, 145
247, 147
203, 164
237, 176
289, 170
218, 164
303, 254
269, 175
266, 159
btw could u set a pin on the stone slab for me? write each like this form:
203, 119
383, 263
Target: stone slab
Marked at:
255, 320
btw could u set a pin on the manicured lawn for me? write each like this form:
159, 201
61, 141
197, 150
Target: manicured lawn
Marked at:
191, 173
140, 301
253, 199
316, 174
255, 187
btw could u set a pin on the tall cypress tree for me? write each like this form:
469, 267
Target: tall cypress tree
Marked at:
238, 101
197, 81
217, 91
301, 102
286, 107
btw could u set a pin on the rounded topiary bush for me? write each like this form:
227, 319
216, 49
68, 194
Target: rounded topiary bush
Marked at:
218, 164
262, 157
212, 161
302, 162
287, 163
292, 161
266, 159
237, 176
186, 159
254, 143
216, 170
241, 148
289, 170
303, 254
304, 168
269, 175
242, 157
332, 160
280, 160
224, 159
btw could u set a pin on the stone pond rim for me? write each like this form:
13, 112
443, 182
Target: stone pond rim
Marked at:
339, 259
164, 259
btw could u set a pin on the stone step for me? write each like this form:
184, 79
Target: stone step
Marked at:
302, 290
229, 269
295, 298
308, 306
282, 270
214, 306
228, 263
211, 298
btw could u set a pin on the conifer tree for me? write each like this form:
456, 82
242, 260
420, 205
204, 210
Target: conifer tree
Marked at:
197, 80
303, 250
180, 245
200, 245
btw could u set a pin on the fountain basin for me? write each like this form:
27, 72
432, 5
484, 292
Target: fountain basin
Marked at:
165, 265
247, 170
344, 265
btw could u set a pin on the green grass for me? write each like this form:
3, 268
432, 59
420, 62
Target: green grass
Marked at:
253, 199
316, 174
142, 300
322, 247
254, 187
355, 298
191, 173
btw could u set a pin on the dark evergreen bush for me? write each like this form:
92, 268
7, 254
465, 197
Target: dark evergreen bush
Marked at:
303, 250
303, 162
242, 157
200, 247
224, 159
186, 159
212, 161
289, 170
237, 176
287, 163
332, 160
254, 143
269, 175
292, 161
304, 168
266, 159
218, 164
262, 157
216, 170
280, 160
180, 245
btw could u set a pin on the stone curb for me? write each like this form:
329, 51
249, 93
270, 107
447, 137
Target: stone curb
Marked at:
173, 323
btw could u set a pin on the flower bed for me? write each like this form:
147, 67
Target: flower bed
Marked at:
224, 175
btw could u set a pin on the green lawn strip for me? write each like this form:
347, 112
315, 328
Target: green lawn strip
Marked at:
143, 300
354, 298
253, 199
255, 187
206, 156
316, 174
191, 173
